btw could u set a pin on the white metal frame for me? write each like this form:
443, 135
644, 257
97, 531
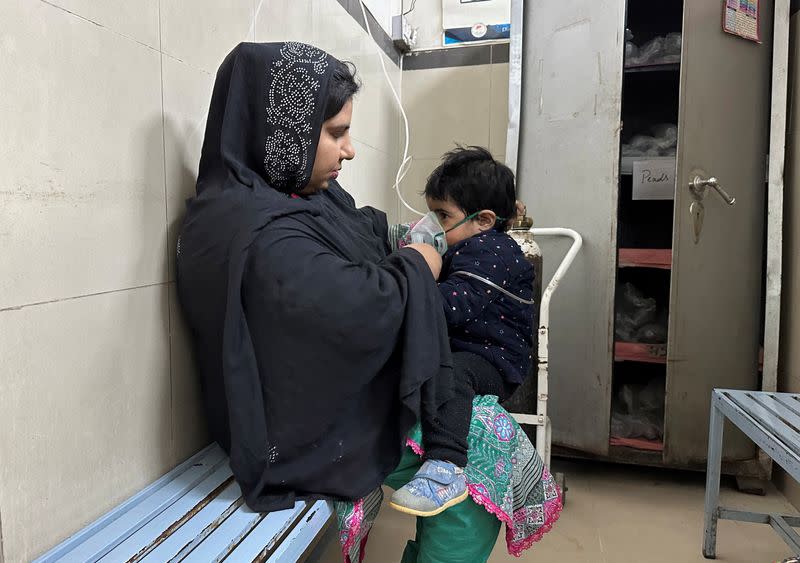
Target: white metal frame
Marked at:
775, 196
540, 419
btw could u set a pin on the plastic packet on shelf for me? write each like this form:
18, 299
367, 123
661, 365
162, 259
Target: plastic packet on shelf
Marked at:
662, 142
659, 50
638, 410
652, 333
635, 426
634, 310
650, 51
631, 52
672, 47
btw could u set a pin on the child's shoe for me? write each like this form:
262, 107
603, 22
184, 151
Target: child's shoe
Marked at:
437, 486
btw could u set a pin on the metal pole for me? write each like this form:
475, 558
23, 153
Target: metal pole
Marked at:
542, 445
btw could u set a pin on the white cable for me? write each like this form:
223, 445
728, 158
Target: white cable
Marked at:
405, 164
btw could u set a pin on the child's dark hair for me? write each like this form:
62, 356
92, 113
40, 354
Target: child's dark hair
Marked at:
474, 181
343, 86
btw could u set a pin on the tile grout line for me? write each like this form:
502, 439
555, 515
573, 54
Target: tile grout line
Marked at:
101, 26
256, 10
357, 17
82, 296
130, 38
167, 251
366, 144
190, 65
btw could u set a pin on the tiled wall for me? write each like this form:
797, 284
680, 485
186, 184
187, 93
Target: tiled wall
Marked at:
384, 10
426, 17
445, 106
104, 107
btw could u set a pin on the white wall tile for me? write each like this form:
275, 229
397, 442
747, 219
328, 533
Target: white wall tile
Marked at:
324, 24
187, 94
376, 115
189, 429
285, 20
81, 163
84, 412
202, 32
413, 185
498, 98
383, 10
447, 106
137, 20
370, 178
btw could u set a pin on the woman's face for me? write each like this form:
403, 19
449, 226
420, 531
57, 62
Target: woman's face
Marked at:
334, 147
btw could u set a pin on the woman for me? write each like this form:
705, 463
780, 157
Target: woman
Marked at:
303, 327
316, 350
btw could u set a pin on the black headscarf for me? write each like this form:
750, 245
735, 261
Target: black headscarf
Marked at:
316, 350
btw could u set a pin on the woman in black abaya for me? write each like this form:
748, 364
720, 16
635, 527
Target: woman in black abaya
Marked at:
316, 348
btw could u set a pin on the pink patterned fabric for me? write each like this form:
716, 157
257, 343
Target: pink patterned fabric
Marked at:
503, 472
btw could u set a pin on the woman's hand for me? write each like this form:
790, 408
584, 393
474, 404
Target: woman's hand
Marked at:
431, 257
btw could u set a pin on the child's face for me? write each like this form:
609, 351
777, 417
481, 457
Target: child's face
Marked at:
450, 215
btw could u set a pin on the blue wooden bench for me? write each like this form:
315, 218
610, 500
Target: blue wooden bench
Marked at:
772, 421
196, 513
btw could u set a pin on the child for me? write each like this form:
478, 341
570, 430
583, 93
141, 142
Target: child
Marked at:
487, 286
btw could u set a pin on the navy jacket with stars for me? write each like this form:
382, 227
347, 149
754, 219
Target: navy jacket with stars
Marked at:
481, 319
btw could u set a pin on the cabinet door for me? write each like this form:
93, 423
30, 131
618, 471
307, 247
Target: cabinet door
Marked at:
568, 176
716, 281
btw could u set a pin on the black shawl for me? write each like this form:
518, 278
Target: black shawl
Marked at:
316, 350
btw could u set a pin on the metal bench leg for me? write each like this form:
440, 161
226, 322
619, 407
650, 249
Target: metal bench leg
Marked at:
712, 482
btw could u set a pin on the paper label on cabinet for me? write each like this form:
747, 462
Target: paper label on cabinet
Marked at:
654, 179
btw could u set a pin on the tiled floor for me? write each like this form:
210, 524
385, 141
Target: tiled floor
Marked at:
618, 514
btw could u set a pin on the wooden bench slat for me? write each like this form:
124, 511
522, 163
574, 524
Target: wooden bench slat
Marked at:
195, 513
757, 432
312, 524
222, 540
268, 534
105, 534
789, 415
777, 427
173, 518
196, 530
789, 401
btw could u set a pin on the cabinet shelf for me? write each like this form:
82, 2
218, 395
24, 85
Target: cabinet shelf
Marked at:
645, 353
657, 258
637, 444
663, 67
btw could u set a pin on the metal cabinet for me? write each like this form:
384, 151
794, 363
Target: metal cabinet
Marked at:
578, 103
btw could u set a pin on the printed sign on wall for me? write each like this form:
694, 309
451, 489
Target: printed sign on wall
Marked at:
740, 17
470, 21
